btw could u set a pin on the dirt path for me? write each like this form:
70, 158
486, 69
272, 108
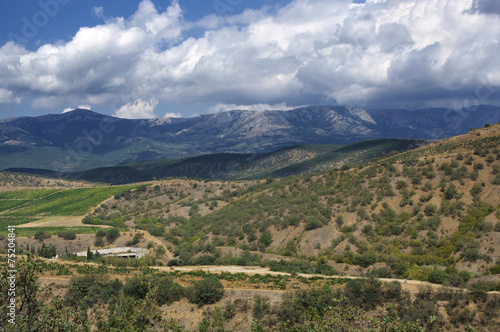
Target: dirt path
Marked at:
411, 286
148, 237
58, 221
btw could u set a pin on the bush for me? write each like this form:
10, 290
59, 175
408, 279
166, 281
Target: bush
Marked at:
430, 210
136, 239
366, 293
168, 290
99, 242
47, 251
88, 288
266, 239
326, 270
481, 287
437, 277
67, 235
465, 275
495, 269
207, 291
112, 235
204, 260
313, 224
136, 287
261, 306
42, 235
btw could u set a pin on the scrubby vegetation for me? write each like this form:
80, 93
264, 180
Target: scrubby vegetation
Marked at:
430, 214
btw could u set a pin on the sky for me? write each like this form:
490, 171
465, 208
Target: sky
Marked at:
183, 58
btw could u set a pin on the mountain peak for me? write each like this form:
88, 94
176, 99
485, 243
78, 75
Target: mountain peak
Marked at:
83, 111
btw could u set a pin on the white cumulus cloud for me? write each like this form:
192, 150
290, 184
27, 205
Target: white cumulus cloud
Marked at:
84, 107
7, 97
173, 115
393, 53
139, 109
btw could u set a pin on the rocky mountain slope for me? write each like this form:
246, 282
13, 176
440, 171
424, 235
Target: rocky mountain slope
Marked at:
82, 139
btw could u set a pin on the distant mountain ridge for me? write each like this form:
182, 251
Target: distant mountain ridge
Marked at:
82, 139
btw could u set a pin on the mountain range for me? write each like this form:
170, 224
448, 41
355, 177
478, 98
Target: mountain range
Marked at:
81, 139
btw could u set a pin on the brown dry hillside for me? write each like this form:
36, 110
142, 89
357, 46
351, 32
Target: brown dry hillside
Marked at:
404, 215
428, 215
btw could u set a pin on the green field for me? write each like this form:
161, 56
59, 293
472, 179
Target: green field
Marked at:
25, 206
70, 202
6, 221
29, 194
30, 231
12, 199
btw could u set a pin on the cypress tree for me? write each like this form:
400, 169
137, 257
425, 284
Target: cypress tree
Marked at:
90, 255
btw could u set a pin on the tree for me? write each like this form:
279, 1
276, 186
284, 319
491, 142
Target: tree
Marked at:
33, 311
112, 235
207, 291
266, 239
450, 192
47, 251
90, 254
438, 276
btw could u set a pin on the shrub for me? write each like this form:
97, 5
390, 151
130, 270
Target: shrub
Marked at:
266, 239
88, 288
99, 242
465, 275
366, 293
339, 220
481, 287
495, 269
450, 192
67, 235
261, 306
364, 260
437, 276
207, 291
325, 269
112, 235
47, 251
42, 235
168, 291
136, 287
205, 260
313, 224
430, 210
136, 239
